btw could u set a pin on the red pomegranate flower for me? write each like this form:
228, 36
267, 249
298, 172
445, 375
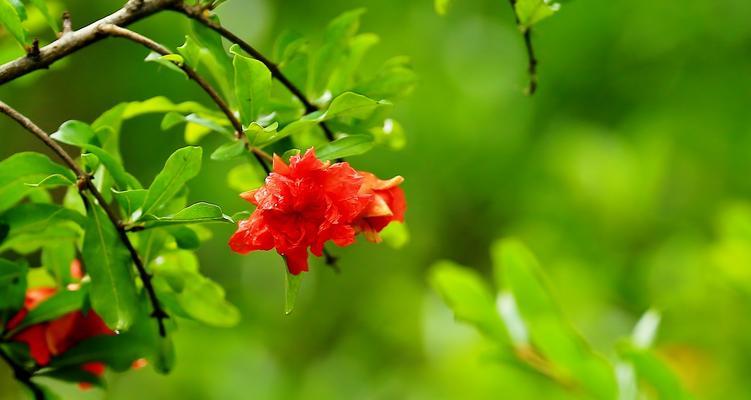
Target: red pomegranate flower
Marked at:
52, 338
308, 202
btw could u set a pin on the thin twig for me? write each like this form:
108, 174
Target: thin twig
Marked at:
23, 376
86, 184
114, 30
78, 39
531, 59
197, 13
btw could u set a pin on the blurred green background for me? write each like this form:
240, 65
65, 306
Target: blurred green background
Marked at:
628, 173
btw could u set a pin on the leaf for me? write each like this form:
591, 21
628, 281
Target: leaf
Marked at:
108, 262
345, 147
22, 168
41, 5
198, 297
31, 219
291, 289
59, 304
185, 238
442, 6
468, 297
166, 62
349, 104
252, 86
517, 270
531, 12
131, 201
57, 258
52, 181
12, 21
75, 133
390, 133
73, 374
394, 80
195, 214
229, 151
100, 349
182, 166
395, 235
334, 49
13, 285
650, 369
212, 58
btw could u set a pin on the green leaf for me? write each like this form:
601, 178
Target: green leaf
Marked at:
395, 235
182, 166
13, 284
76, 133
57, 258
345, 147
28, 220
291, 289
198, 297
335, 46
517, 270
394, 80
195, 214
212, 58
74, 374
59, 304
442, 6
165, 61
229, 151
52, 181
531, 12
185, 237
100, 349
12, 21
468, 297
252, 86
390, 133
131, 201
650, 369
108, 262
349, 104
174, 58
20, 9
22, 168
41, 5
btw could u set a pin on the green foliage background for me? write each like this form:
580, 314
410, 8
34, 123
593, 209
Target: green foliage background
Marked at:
627, 174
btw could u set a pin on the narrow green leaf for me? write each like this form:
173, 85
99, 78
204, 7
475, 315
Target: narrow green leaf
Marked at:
531, 12
131, 201
182, 166
12, 21
468, 297
252, 86
291, 289
22, 168
345, 147
167, 62
75, 133
59, 304
229, 151
108, 262
350, 104
41, 5
57, 258
195, 214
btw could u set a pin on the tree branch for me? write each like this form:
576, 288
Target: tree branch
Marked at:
114, 30
197, 13
86, 184
70, 42
23, 376
531, 59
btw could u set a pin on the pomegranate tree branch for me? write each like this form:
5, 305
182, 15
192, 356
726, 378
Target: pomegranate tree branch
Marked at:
85, 183
72, 41
531, 58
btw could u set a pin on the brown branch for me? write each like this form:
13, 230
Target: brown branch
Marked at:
198, 13
86, 184
114, 30
531, 58
23, 376
70, 42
